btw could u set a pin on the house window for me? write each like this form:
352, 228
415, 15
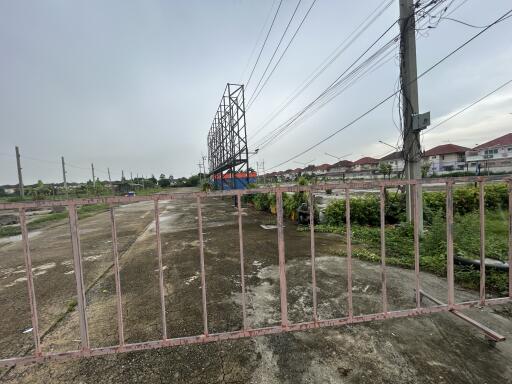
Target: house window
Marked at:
441, 157
432, 157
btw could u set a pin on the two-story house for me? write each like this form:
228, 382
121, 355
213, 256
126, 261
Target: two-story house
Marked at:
491, 157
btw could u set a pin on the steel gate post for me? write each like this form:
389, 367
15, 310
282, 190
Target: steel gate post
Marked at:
282, 261
242, 267
160, 269
115, 253
312, 237
79, 277
30, 282
201, 261
349, 253
449, 243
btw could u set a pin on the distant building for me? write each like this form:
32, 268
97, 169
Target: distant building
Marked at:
339, 170
365, 168
446, 158
493, 156
321, 170
396, 160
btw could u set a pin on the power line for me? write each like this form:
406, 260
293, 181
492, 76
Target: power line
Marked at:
257, 40
255, 95
331, 58
264, 43
469, 106
428, 70
330, 92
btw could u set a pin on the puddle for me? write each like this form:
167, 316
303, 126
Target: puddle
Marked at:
14, 239
192, 278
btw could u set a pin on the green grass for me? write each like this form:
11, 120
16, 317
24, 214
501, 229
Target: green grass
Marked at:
400, 246
40, 222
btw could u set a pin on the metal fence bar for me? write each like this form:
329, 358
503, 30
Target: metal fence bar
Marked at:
79, 276
115, 253
349, 253
510, 239
160, 270
416, 219
481, 208
282, 260
201, 261
242, 267
449, 242
30, 282
312, 241
383, 249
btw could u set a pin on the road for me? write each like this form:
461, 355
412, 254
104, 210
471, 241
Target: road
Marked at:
438, 348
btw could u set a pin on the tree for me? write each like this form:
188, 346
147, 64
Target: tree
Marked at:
163, 181
385, 169
425, 168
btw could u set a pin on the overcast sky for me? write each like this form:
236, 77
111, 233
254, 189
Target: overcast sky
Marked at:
134, 85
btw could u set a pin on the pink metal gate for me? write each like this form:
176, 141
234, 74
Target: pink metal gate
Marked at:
86, 350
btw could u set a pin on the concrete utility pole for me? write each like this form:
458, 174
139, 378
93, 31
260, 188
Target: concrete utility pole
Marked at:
408, 73
110, 180
122, 175
64, 176
200, 174
93, 178
264, 176
20, 178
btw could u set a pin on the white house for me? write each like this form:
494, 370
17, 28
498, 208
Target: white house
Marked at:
396, 160
492, 156
446, 158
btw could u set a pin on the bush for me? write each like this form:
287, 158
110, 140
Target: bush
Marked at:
365, 210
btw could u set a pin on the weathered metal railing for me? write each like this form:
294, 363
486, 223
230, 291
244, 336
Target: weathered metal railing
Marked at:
86, 350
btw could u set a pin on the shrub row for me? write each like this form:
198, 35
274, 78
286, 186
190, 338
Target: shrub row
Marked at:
365, 210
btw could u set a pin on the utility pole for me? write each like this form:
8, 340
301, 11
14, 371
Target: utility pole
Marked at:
264, 176
20, 178
131, 176
200, 174
410, 106
110, 180
93, 178
64, 176
122, 175
204, 169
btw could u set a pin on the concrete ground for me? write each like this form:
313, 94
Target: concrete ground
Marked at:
431, 349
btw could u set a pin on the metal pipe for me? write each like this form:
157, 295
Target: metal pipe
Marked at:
160, 270
481, 208
30, 282
449, 242
201, 261
242, 267
383, 249
115, 253
282, 261
416, 219
79, 277
312, 241
202, 339
349, 253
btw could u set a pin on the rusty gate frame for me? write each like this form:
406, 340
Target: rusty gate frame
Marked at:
86, 350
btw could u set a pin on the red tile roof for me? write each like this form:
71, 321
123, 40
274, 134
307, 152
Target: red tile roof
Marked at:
366, 160
446, 149
393, 156
498, 142
342, 163
323, 167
